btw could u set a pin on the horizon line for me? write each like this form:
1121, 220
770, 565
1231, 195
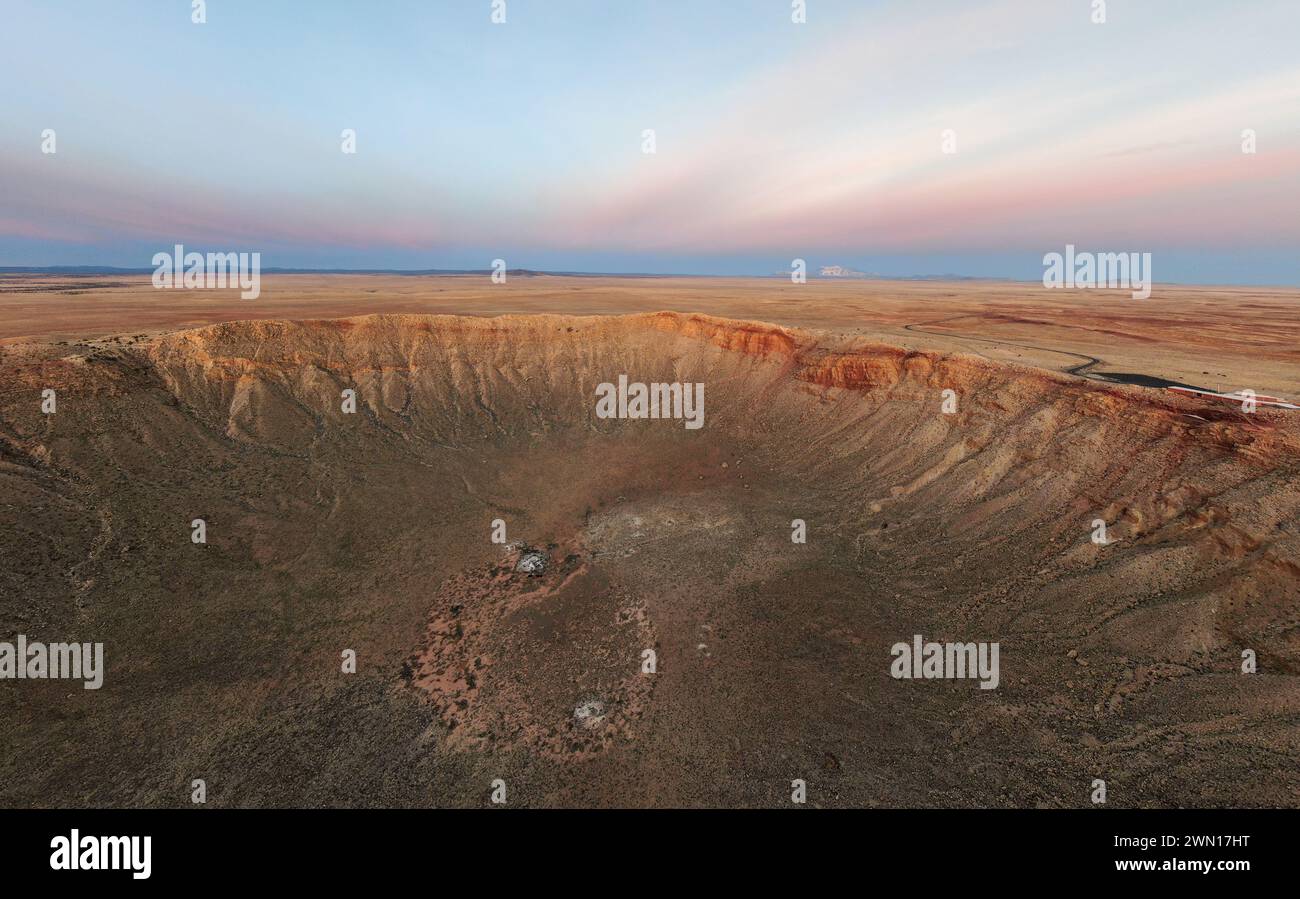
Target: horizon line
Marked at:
90, 270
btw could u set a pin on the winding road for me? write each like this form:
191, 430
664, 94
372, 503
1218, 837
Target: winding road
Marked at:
1080, 369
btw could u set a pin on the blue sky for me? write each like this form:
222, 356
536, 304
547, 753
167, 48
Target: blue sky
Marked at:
774, 140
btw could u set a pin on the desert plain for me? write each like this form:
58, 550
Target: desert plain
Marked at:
370, 533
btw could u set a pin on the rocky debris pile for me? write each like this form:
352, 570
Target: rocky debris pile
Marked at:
532, 562
590, 714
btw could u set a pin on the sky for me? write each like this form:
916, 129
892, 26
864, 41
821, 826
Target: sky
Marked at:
774, 140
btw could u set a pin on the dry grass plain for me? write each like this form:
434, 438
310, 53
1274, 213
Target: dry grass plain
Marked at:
1223, 338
